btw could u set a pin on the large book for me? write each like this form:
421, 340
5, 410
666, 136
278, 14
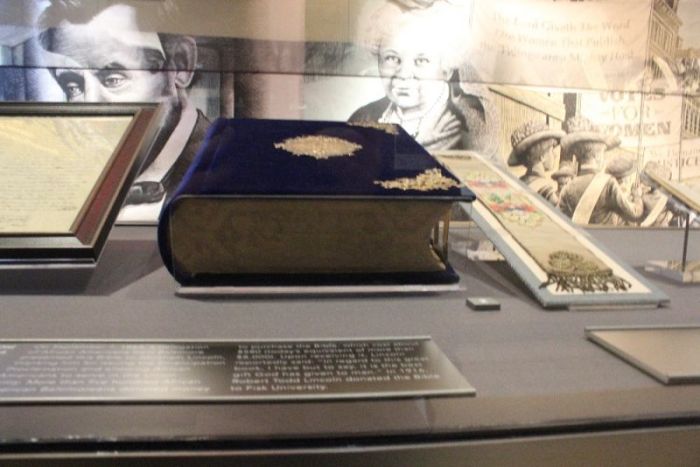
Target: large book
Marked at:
310, 202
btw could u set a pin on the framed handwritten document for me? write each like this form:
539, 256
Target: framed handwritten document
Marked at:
64, 172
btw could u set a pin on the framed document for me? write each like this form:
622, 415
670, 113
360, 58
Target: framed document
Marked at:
66, 169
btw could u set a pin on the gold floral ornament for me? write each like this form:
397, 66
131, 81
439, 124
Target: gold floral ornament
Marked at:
429, 180
318, 147
571, 271
388, 128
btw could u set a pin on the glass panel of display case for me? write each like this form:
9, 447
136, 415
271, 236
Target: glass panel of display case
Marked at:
485, 66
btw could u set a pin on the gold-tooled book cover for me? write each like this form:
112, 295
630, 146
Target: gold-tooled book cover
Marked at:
309, 201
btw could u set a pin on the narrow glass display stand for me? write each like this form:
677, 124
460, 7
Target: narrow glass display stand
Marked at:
686, 203
682, 271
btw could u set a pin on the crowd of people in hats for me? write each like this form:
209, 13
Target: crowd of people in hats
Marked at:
591, 184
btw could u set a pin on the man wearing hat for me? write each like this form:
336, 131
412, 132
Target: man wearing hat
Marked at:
622, 168
532, 143
659, 209
102, 54
563, 175
594, 196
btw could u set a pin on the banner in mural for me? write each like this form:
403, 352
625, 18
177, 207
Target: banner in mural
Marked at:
598, 45
690, 162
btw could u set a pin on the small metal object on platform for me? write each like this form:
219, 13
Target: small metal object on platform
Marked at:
483, 304
188, 291
671, 354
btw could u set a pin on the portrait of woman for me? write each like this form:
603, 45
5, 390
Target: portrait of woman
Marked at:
422, 61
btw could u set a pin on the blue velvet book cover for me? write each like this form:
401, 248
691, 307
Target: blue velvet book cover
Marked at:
267, 157
312, 160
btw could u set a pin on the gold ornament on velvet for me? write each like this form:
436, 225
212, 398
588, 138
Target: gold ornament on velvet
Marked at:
319, 147
429, 180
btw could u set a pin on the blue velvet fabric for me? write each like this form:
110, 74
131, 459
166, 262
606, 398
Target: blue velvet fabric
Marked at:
239, 158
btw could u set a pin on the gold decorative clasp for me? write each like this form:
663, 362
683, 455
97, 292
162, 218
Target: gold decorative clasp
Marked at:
388, 128
429, 180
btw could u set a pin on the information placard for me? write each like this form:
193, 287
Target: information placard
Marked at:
144, 371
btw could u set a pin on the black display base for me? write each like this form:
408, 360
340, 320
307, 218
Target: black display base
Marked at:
322, 284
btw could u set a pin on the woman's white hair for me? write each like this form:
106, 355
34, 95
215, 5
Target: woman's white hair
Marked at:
446, 21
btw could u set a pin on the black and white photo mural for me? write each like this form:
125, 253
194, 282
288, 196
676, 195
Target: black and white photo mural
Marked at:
560, 92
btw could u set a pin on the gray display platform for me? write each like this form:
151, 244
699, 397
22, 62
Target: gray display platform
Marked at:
670, 354
545, 393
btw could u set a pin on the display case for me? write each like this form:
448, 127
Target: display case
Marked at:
573, 99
